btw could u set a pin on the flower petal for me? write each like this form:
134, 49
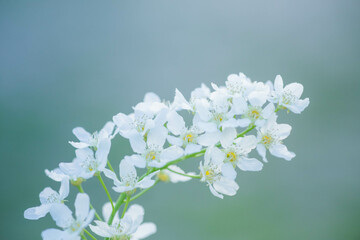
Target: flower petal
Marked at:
62, 215
250, 164
214, 192
64, 189
171, 153
81, 134
228, 171
127, 168
157, 136
209, 138
227, 137
192, 148
226, 186
174, 140
136, 160
52, 234
82, 204
46, 193
137, 143
262, 151
35, 213
180, 102
278, 84
295, 88
145, 230
281, 151
176, 123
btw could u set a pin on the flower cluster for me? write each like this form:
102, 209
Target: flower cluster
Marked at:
219, 130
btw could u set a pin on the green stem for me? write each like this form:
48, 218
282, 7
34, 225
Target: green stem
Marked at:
90, 235
143, 191
126, 205
278, 108
183, 174
109, 165
105, 188
118, 203
251, 127
193, 155
83, 236
91, 206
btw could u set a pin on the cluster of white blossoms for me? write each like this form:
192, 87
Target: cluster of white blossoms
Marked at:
219, 130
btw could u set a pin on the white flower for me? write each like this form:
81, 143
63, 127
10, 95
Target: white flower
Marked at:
147, 115
254, 111
72, 227
289, 96
92, 140
151, 153
86, 163
180, 103
238, 85
129, 227
236, 151
128, 177
169, 176
48, 198
219, 176
258, 115
215, 116
151, 104
270, 137
186, 138
58, 175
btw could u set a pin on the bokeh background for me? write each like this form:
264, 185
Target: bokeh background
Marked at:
77, 63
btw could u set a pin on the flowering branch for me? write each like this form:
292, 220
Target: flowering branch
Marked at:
160, 140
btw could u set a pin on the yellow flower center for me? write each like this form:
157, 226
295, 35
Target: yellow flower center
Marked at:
231, 156
255, 114
189, 138
163, 177
75, 226
266, 140
218, 118
210, 174
151, 155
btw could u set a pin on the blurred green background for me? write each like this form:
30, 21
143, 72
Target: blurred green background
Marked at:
77, 63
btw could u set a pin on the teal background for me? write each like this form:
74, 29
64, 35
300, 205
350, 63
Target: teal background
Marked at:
77, 63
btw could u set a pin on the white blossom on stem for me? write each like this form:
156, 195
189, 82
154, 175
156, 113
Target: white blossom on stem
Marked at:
220, 177
151, 152
92, 140
180, 103
184, 137
128, 177
131, 226
289, 96
72, 227
270, 137
236, 151
48, 198
87, 163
